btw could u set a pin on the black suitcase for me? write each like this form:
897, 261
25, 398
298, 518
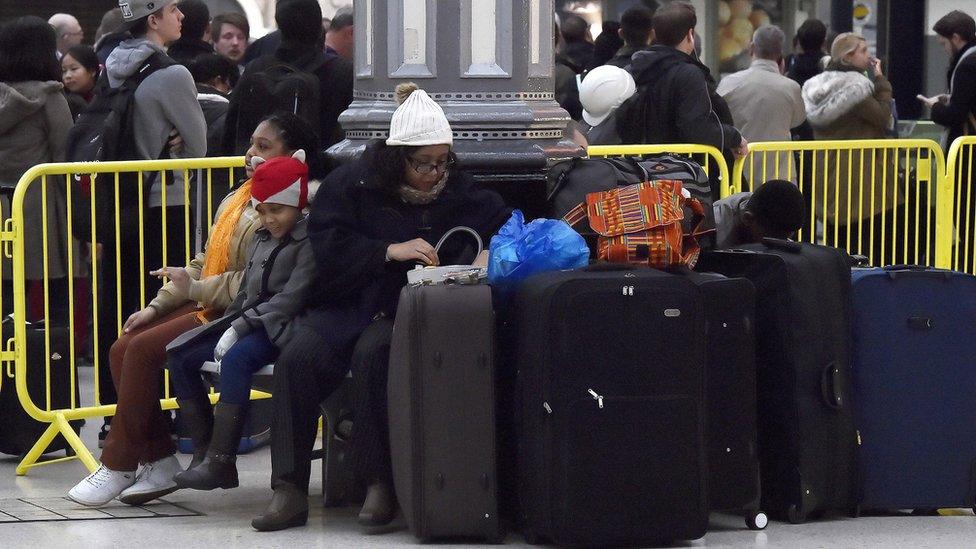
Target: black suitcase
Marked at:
730, 430
19, 431
612, 416
441, 393
807, 439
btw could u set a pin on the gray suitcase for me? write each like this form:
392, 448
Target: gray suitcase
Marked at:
442, 411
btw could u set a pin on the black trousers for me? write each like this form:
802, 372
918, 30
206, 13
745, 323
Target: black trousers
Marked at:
308, 370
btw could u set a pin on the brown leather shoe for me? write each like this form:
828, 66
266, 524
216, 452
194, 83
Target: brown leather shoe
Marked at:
288, 508
380, 505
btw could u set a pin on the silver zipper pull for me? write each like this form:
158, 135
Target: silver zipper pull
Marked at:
547, 407
598, 398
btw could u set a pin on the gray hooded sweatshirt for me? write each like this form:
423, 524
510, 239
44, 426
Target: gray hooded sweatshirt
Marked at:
167, 99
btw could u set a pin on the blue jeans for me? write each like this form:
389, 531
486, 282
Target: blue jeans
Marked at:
251, 353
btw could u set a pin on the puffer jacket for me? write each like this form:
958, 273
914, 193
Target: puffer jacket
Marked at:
216, 291
842, 103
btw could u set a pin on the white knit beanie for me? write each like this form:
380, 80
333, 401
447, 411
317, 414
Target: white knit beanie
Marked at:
418, 121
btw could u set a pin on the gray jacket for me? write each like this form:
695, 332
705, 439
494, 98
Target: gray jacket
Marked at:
286, 270
34, 124
164, 101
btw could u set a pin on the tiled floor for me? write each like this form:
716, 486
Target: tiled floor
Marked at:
225, 516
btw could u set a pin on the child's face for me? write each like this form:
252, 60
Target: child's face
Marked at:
278, 218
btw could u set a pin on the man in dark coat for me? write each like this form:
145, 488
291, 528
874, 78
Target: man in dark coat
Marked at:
577, 49
196, 23
300, 23
957, 110
676, 93
810, 38
635, 29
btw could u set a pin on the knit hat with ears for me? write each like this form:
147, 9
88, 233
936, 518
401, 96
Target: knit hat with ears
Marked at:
281, 180
418, 121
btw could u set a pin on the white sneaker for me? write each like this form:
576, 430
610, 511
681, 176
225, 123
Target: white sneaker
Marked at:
154, 480
101, 487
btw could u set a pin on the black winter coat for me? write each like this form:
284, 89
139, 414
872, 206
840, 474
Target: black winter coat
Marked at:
354, 219
335, 76
804, 66
678, 103
185, 50
959, 115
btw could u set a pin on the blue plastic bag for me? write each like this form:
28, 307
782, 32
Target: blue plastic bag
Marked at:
519, 250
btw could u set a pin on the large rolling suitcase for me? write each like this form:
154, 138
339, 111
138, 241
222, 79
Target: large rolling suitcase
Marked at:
18, 430
807, 438
442, 411
730, 372
612, 415
914, 386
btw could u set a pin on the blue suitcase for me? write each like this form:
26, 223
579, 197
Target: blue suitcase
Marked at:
914, 336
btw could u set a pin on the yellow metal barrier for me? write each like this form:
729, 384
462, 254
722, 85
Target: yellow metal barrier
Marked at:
47, 189
961, 172
700, 153
887, 199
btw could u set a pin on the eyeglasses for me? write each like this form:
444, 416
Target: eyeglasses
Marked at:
426, 168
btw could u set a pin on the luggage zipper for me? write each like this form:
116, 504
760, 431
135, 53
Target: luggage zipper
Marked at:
596, 397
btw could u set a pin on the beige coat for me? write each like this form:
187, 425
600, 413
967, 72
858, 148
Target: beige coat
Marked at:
845, 104
765, 105
218, 291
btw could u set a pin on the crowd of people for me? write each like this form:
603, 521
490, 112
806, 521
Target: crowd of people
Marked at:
309, 280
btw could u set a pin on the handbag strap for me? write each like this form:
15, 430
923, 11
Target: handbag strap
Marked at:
577, 214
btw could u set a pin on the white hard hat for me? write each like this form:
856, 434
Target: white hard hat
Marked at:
603, 90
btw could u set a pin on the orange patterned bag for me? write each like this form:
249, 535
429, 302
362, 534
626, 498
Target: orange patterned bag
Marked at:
642, 224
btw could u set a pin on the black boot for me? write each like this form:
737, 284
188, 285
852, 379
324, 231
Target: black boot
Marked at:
380, 505
196, 416
288, 508
218, 469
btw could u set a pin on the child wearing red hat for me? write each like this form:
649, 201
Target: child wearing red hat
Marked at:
279, 274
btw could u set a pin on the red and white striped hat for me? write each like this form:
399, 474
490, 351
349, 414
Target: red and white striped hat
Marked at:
281, 180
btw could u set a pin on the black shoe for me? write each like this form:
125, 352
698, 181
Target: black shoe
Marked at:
380, 506
288, 509
103, 434
197, 418
219, 467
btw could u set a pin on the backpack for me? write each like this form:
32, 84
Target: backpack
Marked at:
642, 224
103, 132
278, 87
570, 181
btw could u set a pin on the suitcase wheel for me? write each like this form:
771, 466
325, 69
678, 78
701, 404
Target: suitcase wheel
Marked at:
757, 520
794, 515
855, 511
925, 512
531, 537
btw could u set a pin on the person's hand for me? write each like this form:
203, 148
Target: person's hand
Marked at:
139, 319
932, 101
175, 143
742, 150
178, 276
482, 259
417, 249
876, 67
224, 344
98, 251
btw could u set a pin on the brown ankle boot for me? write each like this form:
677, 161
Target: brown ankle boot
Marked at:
380, 505
288, 508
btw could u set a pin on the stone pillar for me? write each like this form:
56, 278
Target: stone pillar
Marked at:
488, 63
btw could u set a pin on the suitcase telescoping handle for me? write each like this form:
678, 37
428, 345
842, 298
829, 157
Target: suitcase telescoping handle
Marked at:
896, 271
832, 386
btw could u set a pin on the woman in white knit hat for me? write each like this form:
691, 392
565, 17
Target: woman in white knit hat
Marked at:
370, 223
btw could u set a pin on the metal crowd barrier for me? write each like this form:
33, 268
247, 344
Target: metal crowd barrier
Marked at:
961, 173
705, 155
931, 220
48, 191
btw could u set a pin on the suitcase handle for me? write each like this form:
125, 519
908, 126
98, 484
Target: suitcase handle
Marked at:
831, 385
781, 244
895, 271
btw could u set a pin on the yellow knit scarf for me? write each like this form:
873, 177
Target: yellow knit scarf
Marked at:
217, 256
